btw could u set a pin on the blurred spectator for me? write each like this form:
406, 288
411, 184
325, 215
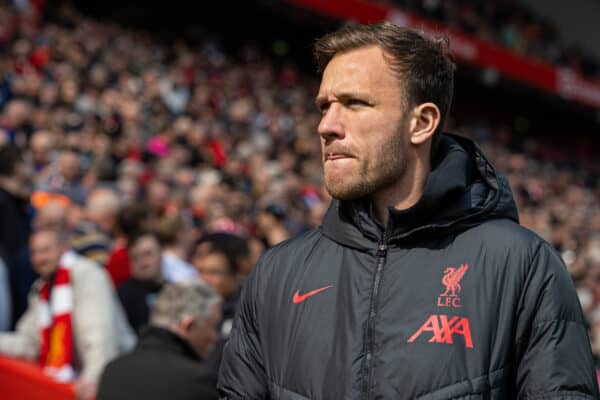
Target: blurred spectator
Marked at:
255, 247
509, 23
167, 362
15, 188
42, 147
93, 237
218, 257
270, 225
138, 293
157, 196
52, 215
65, 177
176, 239
74, 324
132, 220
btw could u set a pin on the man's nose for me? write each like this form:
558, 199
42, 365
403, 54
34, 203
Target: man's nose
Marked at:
331, 125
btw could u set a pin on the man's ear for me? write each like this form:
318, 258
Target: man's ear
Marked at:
185, 324
425, 119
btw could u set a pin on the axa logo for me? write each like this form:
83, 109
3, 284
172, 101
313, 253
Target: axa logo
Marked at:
443, 330
451, 279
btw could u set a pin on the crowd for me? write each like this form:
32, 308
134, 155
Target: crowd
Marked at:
167, 163
510, 24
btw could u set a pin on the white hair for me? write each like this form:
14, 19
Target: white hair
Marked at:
178, 300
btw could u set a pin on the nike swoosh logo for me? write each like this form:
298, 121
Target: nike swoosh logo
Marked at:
299, 298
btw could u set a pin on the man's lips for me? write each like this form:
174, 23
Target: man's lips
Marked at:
336, 156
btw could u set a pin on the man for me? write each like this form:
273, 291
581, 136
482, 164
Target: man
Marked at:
217, 257
15, 189
93, 237
41, 144
131, 222
53, 214
420, 283
65, 177
138, 293
74, 324
167, 363
176, 238
270, 225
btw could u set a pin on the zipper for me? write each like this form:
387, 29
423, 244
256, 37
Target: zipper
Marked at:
367, 369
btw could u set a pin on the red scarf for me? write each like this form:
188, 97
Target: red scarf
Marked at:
56, 332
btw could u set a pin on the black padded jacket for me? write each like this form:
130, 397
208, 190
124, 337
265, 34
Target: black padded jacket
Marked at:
452, 300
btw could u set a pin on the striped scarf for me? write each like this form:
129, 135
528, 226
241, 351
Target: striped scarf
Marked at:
56, 335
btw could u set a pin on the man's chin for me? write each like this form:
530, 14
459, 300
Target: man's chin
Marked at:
346, 192
45, 273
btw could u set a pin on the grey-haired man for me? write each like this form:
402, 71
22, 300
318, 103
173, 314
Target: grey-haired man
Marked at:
168, 361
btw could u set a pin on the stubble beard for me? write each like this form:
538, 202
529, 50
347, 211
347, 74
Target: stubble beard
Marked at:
387, 166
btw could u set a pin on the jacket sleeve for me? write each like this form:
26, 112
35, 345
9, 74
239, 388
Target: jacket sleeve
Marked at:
553, 355
94, 319
242, 374
24, 341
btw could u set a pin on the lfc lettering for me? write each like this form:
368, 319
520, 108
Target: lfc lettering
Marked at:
449, 302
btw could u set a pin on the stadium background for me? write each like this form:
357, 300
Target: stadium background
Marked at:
247, 80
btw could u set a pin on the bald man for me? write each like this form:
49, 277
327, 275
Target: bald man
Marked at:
52, 215
93, 238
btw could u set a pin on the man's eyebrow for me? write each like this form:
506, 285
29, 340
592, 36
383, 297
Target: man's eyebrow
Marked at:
354, 95
321, 99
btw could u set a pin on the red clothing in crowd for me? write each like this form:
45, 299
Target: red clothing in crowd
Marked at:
118, 266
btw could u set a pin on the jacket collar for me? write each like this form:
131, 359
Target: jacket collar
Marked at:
161, 339
463, 189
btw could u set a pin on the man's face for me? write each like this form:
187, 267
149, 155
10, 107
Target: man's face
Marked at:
41, 145
363, 125
214, 270
69, 166
158, 195
145, 257
45, 250
202, 337
52, 215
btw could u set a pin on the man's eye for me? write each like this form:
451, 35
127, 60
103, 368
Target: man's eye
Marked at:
323, 108
355, 102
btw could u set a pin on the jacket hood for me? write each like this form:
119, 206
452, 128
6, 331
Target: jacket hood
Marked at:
463, 189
